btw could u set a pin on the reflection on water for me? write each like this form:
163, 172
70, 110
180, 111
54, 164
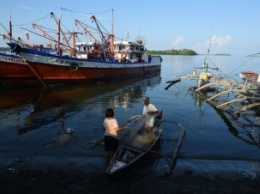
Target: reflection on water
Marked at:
34, 121
37, 120
247, 130
41, 106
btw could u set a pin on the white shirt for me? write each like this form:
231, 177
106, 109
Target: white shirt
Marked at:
149, 118
111, 126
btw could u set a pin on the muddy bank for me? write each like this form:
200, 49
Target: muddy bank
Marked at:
89, 177
75, 181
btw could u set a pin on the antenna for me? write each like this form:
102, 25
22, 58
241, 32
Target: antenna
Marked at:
210, 40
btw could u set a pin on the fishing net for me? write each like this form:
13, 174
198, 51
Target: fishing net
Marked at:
136, 135
134, 125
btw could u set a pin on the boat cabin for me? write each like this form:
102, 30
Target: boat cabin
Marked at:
125, 51
88, 50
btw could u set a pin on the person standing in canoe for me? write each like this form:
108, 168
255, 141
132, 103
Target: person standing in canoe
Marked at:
111, 128
149, 111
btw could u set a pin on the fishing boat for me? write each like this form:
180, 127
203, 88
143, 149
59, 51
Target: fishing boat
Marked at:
249, 76
135, 145
13, 66
103, 59
52, 68
204, 74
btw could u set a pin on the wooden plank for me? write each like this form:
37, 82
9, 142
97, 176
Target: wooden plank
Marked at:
224, 92
231, 101
204, 86
247, 107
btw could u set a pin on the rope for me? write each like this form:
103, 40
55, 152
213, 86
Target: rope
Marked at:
69, 10
33, 21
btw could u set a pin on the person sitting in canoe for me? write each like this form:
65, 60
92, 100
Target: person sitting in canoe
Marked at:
149, 111
111, 128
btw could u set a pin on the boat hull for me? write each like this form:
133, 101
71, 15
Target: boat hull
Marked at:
14, 67
249, 76
134, 146
55, 73
52, 68
127, 159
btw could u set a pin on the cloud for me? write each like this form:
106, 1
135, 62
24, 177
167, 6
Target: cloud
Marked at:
25, 7
220, 41
177, 41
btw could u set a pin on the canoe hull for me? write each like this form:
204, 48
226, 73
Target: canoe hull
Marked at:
126, 156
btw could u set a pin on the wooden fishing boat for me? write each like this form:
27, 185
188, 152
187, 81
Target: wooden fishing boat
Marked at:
138, 145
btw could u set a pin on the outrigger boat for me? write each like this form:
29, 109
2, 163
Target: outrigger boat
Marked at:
135, 146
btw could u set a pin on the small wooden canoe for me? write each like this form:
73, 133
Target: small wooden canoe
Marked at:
141, 144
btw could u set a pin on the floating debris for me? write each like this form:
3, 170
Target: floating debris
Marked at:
13, 170
69, 131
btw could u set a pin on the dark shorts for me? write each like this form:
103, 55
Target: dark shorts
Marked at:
111, 144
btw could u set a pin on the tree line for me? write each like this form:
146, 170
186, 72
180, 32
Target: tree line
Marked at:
173, 52
4, 49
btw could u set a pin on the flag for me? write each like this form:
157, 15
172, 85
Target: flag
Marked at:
27, 35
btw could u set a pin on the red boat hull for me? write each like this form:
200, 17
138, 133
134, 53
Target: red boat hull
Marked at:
55, 73
14, 67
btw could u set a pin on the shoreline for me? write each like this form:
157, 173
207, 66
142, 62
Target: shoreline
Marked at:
68, 175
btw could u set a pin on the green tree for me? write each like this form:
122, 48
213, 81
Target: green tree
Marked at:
173, 52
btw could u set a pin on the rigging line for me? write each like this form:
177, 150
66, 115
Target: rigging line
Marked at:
50, 30
66, 46
250, 67
69, 10
240, 66
32, 21
89, 27
219, 69
4, 27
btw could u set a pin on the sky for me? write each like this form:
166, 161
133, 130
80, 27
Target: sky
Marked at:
222, 26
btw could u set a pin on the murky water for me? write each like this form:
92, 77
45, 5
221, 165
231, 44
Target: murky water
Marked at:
34, 121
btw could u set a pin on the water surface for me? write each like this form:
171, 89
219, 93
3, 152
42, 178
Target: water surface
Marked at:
34, 120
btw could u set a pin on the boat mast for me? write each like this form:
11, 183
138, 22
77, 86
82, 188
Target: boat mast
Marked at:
205, 64
112, 35
61, 31
10, 26
105, 44
58, 46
